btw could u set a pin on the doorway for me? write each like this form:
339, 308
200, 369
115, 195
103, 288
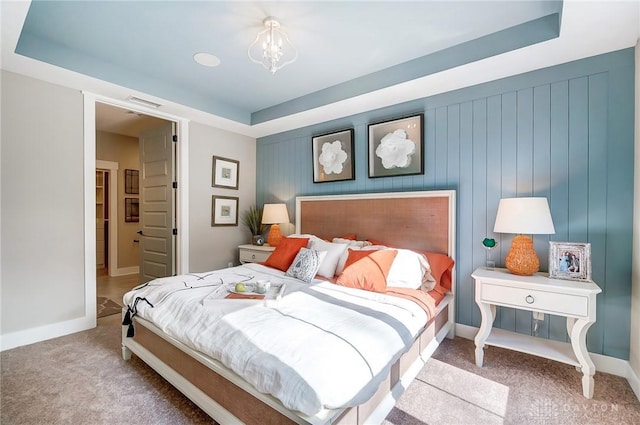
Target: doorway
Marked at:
113, 121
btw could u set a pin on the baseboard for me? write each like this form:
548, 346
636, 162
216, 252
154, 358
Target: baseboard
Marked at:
125, 271
606, 364
43, 333
634, 381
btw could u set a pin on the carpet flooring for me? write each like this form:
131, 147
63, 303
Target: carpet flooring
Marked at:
107, 307
82, 379
511, 388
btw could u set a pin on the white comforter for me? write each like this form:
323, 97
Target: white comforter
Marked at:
321, 346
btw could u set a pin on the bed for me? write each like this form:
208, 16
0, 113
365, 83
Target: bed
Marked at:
232, 387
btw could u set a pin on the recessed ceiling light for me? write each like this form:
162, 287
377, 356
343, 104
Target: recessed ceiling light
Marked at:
206, 59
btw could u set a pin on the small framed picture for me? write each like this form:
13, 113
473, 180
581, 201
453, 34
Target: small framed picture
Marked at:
225, 172
131, 210
224, 211
131, 182
333, 157
570, 260
396, 147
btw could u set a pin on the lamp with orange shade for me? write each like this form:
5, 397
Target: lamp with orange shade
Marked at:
524, 216
274, 214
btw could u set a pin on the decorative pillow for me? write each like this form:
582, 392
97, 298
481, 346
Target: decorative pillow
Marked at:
343, 259
306, 263
334, 251
368, 273
355, 254
282, 257
410, 269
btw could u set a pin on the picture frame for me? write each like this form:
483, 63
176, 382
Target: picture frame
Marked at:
570, 260
224, 211
333, 156
131, 182
396, 147
131, 210
225, 172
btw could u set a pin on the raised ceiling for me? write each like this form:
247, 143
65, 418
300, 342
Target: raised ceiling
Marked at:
348, 50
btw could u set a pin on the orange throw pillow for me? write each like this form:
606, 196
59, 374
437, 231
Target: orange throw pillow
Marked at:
369, 272
354, 255
285, 253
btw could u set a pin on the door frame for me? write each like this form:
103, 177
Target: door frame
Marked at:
182, 193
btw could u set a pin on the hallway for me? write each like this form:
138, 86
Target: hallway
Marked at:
114, 287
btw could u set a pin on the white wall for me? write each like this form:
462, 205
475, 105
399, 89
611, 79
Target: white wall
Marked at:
42, 217
42, 233
213, 247
634, 353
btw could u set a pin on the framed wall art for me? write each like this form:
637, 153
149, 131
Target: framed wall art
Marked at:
395, 147
131, 182
225, 172
224, 211
131, 210
570, 260
333, 157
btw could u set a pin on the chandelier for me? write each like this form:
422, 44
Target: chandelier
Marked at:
272, 48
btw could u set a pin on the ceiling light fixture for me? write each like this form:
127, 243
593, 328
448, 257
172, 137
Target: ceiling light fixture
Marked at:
272, 48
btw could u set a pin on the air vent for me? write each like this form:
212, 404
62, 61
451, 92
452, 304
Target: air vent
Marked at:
143, 102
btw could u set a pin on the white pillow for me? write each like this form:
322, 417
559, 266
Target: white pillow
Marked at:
306, 264
334, 251
410, 270
304, 235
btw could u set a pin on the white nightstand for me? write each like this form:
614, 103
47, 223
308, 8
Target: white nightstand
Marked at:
254, 253
572, 299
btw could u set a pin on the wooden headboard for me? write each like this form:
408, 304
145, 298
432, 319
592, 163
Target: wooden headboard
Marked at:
415, 220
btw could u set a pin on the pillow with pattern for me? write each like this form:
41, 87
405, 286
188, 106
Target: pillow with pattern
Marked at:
306, 264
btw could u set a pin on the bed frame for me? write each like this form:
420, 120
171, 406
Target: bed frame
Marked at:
420, 220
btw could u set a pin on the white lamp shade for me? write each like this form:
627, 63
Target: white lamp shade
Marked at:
275, 214
530, 216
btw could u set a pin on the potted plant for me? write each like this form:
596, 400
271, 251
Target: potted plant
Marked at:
252, 218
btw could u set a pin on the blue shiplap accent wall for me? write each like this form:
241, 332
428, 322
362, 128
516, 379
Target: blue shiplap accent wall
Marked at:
564, 132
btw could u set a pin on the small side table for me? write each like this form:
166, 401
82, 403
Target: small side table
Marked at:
572, 299
254, 253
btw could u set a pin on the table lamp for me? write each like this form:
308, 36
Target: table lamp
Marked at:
274, 214
524, 216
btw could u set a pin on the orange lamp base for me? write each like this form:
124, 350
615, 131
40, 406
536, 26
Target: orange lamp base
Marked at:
275, 235
522, 259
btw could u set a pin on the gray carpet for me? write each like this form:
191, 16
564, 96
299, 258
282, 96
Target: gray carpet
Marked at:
82, 379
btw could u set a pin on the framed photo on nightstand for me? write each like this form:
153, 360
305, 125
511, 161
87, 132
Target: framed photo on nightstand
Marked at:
570, 260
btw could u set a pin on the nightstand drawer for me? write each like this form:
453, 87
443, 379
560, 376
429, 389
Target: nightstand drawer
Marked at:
250, 256
550, 302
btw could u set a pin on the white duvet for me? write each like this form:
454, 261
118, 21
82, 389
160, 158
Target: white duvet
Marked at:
321, 346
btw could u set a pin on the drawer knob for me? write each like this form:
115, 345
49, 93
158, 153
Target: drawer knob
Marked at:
529, 299
253, 256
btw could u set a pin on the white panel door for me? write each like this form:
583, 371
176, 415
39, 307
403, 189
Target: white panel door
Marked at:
157, 202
